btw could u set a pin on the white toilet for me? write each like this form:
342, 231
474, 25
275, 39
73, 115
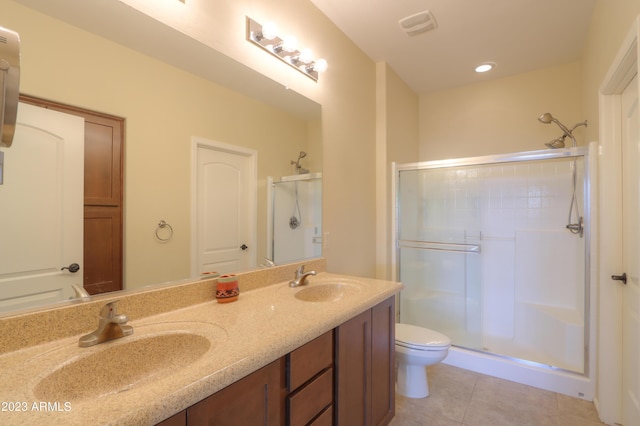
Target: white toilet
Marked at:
417, 348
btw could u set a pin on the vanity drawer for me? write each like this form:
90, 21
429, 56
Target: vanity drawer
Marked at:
310, 359
311, 399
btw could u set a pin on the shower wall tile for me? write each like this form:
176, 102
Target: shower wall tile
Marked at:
498, 287
545, 268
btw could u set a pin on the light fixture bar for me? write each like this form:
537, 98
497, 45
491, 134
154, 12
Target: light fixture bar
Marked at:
284, 48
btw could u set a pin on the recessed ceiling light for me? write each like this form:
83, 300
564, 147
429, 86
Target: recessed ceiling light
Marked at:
488, 66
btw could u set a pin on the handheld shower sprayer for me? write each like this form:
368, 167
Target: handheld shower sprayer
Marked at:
296, 216
547, 118
576, 227
299, 169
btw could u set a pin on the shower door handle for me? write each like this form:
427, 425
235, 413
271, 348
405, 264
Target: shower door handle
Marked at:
622, 277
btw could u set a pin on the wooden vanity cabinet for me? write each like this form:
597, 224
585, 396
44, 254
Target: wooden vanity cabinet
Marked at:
344, 377
365, 367
255, 400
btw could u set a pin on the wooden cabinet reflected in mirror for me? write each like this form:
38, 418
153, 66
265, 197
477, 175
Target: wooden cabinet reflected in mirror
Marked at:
102, 266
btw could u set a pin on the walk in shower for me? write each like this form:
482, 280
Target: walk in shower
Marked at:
486, 258
294, 217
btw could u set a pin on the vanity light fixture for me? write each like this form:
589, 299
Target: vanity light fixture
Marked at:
487, 66
284, 48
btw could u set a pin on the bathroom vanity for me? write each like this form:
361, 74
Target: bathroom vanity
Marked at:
346, 374
318, 353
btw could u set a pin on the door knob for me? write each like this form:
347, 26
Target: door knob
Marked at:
244, 247
73, 268
622, 277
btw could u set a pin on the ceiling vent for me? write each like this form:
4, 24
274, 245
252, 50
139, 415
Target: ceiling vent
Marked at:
418, 23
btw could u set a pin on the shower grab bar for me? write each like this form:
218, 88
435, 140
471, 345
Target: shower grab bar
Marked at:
433, 245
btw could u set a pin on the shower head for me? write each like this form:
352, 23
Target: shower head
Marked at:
302, 155
556, 143
546, 118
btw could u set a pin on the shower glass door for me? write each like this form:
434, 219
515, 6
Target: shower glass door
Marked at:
439, 249
486, 258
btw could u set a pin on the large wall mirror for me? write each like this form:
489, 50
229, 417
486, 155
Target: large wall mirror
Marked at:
172, 91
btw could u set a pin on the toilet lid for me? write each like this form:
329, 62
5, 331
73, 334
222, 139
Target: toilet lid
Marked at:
413, 336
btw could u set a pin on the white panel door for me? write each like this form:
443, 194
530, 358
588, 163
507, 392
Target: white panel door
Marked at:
41, 218
225, 232
631, 255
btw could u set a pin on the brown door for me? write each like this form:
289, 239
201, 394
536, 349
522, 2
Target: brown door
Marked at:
103, 196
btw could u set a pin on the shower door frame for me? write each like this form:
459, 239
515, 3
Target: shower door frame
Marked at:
548, 154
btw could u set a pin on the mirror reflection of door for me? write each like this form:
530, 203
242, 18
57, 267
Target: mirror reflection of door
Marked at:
102, 269
41, 214
224, 204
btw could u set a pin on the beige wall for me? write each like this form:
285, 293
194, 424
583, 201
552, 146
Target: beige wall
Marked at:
164, 107
500, 116
402, 119
396, 141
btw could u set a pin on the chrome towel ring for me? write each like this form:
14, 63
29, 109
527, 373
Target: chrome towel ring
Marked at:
162, 225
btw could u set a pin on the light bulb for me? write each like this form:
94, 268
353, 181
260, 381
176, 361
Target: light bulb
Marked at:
305, 56
320, 65
269, 30
289, 44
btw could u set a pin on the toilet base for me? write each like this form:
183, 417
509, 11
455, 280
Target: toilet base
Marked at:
412, 381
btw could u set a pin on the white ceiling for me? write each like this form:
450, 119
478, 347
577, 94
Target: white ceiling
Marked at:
517, 35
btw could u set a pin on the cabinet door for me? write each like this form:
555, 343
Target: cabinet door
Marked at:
383, 362
353, 371
258, 399
365, 367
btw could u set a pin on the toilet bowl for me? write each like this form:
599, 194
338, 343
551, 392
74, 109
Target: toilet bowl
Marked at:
417, 348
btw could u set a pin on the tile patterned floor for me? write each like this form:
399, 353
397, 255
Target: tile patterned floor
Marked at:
465, 398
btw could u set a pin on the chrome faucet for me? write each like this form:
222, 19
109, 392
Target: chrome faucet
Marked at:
111, 325
81, 293
301, 277
268, 263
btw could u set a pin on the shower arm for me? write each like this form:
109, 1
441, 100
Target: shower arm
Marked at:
568, 132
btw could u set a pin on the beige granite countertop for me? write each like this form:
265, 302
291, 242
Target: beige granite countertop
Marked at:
263, 325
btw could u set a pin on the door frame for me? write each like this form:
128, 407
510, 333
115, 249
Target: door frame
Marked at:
609, 384
200, 142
